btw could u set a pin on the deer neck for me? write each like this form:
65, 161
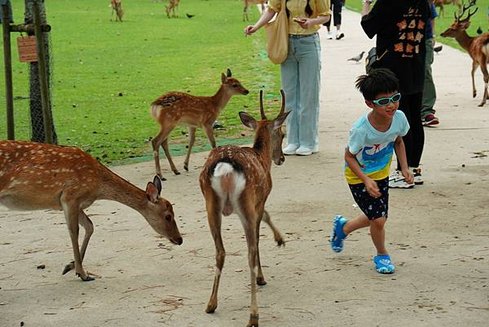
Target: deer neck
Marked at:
464, 40
221, 98
117, 189
262, 146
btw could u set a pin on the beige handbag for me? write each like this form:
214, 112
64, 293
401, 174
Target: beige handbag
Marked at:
278, 36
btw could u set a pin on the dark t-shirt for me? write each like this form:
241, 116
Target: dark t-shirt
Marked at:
400, 27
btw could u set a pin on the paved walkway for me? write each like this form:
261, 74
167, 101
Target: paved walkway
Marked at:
437, 234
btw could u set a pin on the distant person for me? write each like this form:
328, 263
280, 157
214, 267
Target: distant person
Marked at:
301, 71
429, 92
400, 30
336, 7
373, 139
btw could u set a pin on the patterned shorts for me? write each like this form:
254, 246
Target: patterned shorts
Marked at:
372, 207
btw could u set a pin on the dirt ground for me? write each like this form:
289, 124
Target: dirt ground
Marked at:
437, 234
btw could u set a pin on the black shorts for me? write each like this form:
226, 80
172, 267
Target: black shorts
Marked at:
370, 206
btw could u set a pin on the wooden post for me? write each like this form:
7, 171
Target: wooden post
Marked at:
45, 101
7, 56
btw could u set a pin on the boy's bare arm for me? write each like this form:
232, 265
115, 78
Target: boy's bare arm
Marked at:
370, 184
401, 157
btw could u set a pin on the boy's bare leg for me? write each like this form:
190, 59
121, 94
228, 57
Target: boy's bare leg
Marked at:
377, 233
356, 223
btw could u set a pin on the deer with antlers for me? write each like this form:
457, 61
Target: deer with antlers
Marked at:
171, 7
175, 108
247, 4
117, 9
237, 179
477, 47
36, 176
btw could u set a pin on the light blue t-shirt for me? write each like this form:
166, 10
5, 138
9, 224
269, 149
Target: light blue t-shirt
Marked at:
374, 149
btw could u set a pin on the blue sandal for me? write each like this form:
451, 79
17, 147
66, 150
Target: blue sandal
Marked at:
337, 236
383, 264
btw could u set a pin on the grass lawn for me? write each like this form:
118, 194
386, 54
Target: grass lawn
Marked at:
105, 74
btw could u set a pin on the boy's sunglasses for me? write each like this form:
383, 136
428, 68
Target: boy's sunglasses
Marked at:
385, 101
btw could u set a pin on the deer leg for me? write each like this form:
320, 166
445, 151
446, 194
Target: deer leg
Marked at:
191, 134
474, 68
168, 157
486, 80
276, 233
214, 218
245, 13
87, 224
72, 220
156, 143
249, 219
260, 280
209, 131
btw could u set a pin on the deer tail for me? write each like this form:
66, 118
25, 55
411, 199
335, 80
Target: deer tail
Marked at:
228, 184
155, 111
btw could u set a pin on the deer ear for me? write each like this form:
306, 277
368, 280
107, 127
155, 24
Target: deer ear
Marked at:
157, 183
223, 78
277, 123
247, 120
152, 192
228, 73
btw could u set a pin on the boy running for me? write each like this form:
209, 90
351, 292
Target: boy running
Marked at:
373, 139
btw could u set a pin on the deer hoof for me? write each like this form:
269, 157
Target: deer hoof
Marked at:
261, 281
69, 267
253, 320
185, 166
85, 278
176, 172
211, 308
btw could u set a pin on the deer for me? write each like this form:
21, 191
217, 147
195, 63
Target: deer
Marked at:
477, 47
175, 108
37, 176
172, 7
247, 4
237, 180
441, 3
117, 9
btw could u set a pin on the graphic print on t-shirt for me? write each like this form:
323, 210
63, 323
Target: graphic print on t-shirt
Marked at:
411, 33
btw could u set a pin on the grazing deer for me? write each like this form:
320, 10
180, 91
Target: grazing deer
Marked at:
247, 4
172, 7
174, 108
477, 47
237, 179
117, 9
441, 3
35, 176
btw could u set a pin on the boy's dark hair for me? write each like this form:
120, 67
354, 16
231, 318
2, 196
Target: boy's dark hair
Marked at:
380, 80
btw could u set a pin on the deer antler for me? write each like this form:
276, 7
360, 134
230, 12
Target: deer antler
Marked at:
262, 112
283, 102
464, 9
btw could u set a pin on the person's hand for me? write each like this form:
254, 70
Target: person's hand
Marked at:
408, 176
305, 23
250, 29
372, 188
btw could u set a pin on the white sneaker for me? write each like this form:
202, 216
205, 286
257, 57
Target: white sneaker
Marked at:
329, 36
290, 149
418, 179
396, 180
304, 151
